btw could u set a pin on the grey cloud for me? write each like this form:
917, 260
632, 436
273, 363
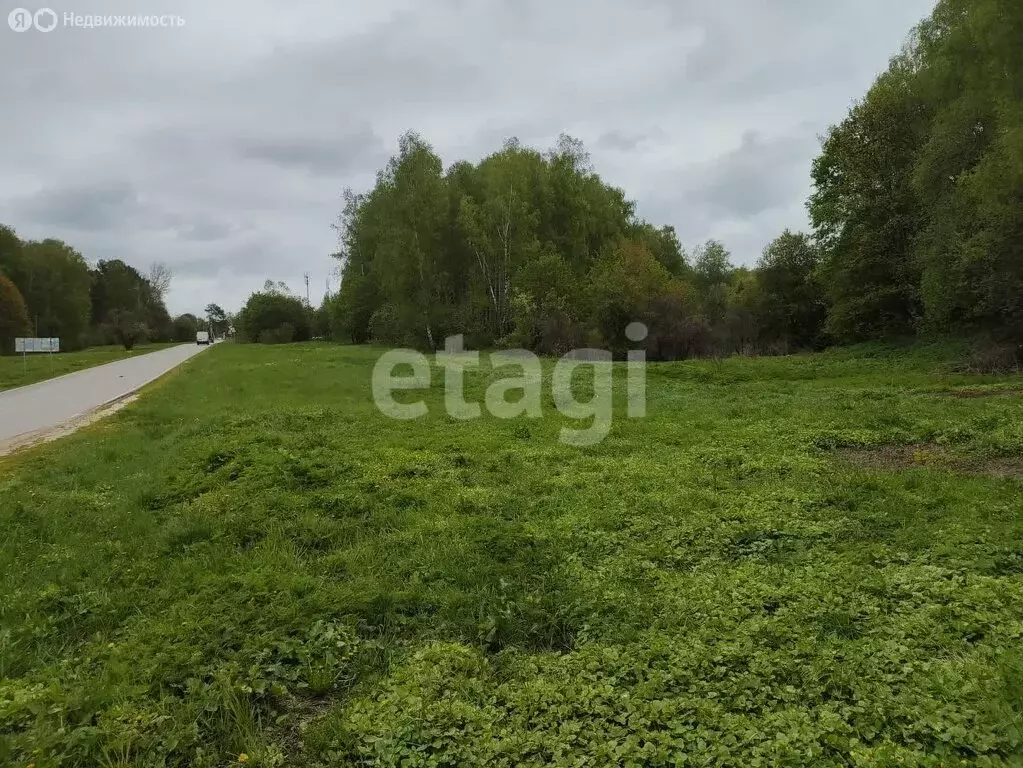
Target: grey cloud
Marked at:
205, 229
220, 147
115, 207
761, 174
620, 140
319, 155
86, 208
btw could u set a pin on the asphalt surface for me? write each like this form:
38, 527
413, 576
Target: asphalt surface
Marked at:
52, 403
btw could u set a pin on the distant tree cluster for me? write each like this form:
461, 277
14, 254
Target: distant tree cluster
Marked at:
534, 250
48, 289
274, 316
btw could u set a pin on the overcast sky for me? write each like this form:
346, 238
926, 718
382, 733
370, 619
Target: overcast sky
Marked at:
221, 147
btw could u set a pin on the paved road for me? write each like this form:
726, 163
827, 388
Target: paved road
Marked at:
49, 404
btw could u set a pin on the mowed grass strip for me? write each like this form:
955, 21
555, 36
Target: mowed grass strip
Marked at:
252, 566
21, 370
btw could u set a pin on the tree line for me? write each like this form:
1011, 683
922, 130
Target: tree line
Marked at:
48, 289
916, 211
533, 249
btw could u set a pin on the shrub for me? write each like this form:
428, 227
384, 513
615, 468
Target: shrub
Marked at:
270, 311
994, 358
283, 334
185, 327
126, 328
384, 326
673, 332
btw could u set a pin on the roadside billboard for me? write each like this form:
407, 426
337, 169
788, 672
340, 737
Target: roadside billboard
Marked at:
23, 346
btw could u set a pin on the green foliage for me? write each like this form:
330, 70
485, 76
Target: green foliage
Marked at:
282, 334
712, 265
253, 560
624, 286
11, 252
664, 245
83, 306
273, 317
54, 280
919, 192
126, 326
533, 249
218, 320
185, 327
865, 213
13, 315
502, 251
791, 302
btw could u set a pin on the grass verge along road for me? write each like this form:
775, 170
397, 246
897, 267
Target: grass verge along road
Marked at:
18, 370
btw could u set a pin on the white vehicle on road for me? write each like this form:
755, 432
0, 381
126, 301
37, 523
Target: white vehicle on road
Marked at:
202, 337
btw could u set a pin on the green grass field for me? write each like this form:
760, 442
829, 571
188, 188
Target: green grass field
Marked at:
17, 371
790, 562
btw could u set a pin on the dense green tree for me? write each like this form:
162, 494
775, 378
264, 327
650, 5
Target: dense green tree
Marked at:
624, 285
790, 303
865, 213
185, 327
127, 327
13, 315
969, 172
218, 320
425, 254
119, 288
319, 321
273, 316
918, 200
54, 279
500, 227
711, 265
11, 254
664, 245
712, 273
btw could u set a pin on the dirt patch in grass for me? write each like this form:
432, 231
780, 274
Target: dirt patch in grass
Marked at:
299, 714
892, 457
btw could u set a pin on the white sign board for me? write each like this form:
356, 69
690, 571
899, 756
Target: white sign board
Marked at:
36, 345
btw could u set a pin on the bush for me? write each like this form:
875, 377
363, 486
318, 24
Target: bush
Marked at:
271, 311
185, 327
126, 328
673, 332
384, 327
283, 334
994, 358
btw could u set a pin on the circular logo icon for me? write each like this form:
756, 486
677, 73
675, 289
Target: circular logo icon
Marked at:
45, 20
636, 332
20, 20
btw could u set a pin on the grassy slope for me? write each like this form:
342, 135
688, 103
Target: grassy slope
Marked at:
251, 559
16, 371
